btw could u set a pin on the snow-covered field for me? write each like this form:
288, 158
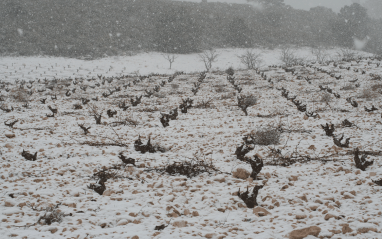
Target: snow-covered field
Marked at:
30, 68
322, 190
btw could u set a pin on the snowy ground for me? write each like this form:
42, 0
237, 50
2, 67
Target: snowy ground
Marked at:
31, 68
328, 192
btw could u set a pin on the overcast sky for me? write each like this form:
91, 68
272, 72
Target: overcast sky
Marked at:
336, 5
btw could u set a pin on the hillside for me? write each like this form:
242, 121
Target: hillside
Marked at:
145, 171
99, 28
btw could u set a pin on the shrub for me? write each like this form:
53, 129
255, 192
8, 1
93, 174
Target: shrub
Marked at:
250, 59
186, 104
246, 101
326, 98
102, 176
20, 95
346, 54
361, 163
250, 199
148, 94
11, 124
140, 147
348, 87
161, 227
368, 93
376, 77
320, 53
243, 149
51, 215
338, 142
241, 173
173, 114
266, 136
85, 129
347, 123
230, 71
299, 105
174, 86
29, 156
373, 108
96, 112
122, 105
126, 160
378, 182
126, 120
204, 103
256, 165
189, 169
289, 57
137, 100
165, 120
352, 102
77, 106
329, 129
196, 87
255, 162
228, 96
221, 88
377, 87
99, 187
111, 113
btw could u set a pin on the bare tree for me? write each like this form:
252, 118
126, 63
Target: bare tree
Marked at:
346, 54
320, 53
251, 59
170, 58
96, 112
289, 57
208, 57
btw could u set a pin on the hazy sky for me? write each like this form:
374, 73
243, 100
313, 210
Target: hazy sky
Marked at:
336, 5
